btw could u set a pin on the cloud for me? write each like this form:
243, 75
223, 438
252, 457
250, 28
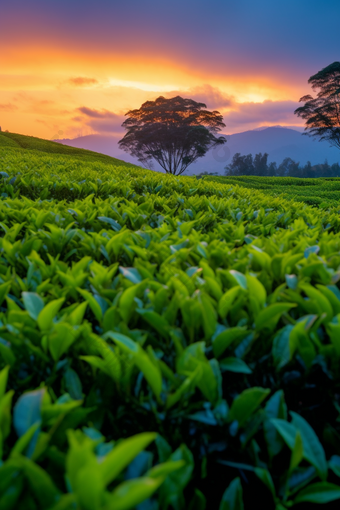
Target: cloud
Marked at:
213, 97
250, 115
9, 107
100, 121
82, 81
97, 114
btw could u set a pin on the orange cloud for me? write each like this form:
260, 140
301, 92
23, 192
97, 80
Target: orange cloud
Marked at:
8, 107
82, 82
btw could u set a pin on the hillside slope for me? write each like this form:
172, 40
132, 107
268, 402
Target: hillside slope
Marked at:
15, 140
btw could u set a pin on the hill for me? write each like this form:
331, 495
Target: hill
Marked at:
278, 142
18, 141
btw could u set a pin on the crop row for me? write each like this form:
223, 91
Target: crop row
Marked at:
315, 192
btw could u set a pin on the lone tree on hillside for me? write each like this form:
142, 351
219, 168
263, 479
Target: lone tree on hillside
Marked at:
322, 113
175, 132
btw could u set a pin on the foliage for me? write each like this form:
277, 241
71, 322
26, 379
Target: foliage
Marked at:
324, 193
247, 165
175, 132
165, 343
322, 113
32, 143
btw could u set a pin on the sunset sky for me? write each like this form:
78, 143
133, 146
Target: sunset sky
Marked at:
72, 68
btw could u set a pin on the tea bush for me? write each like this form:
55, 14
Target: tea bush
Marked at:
165, 343
324, 192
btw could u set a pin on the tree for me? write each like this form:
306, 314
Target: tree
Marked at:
240, 165
288, 167
322, 113
175, 132
260, 164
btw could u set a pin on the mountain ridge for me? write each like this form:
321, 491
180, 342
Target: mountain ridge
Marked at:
278, 142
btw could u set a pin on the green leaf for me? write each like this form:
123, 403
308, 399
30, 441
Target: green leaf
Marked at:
4, 290
297, 452
61, 339
227, 300
73, 384
275, 408
185, 387
112, 222
7, 354
265, 477
131, 493
208, 316
33, 304
47, 314
27, 411
95, 307
286, 430
313, 450
131, 274
334, 464
226, 338
3, 381
239, 278
41, 484
151, 372
280, 350
257, 290
89, 487
235, 365
198, 502
320, 492
194, 356
299, 340
122, 454
165, 469
76, 317
333, 330
158, 322
232, 498
246, 403
270, 316
23, 442
322, 303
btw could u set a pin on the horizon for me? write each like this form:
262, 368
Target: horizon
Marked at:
75, 70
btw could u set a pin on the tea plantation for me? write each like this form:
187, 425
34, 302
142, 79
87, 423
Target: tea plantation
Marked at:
165, 343
322, 192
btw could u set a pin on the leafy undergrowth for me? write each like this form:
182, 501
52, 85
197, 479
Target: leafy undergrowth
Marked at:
321, 192
165, 343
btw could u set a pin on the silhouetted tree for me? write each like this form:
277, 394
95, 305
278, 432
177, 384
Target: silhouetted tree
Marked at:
240, 165
175, 132
260, 164
288, 167
247, 165
322, 113
272, 169
308, 170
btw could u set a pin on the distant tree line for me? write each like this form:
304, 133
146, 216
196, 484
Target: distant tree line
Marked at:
258, 165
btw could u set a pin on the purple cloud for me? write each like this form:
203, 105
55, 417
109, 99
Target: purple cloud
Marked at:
251, 115
100, 121
207, 94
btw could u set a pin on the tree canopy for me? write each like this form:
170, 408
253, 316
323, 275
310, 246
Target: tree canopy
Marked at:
322, 113
258, 165
175, 132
